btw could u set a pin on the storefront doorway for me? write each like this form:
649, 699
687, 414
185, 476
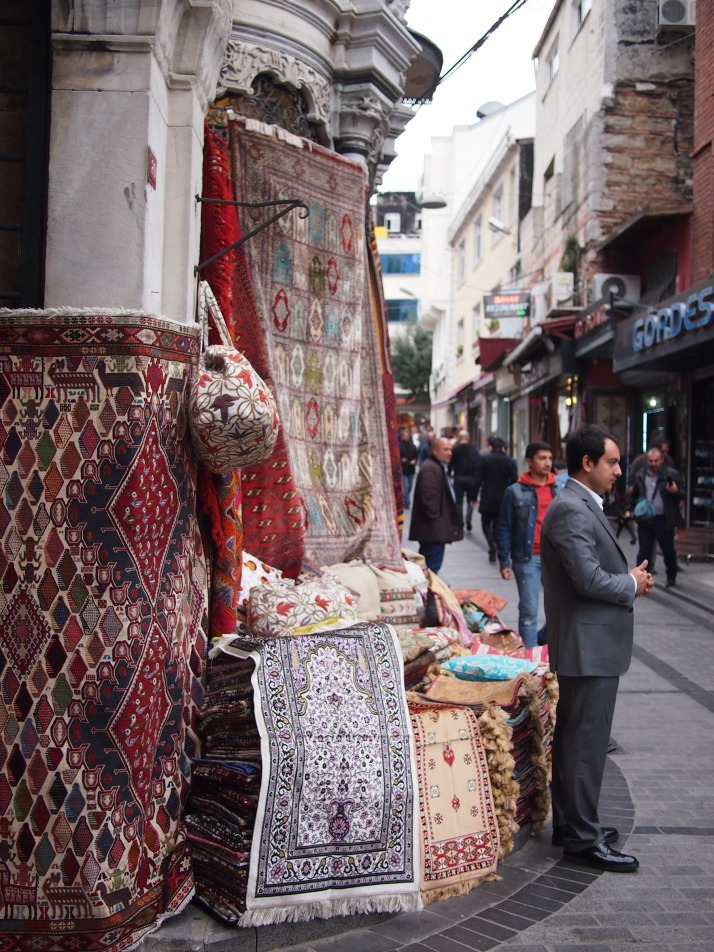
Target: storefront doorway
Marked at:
701, 479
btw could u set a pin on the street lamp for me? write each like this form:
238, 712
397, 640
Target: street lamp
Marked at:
495, 225
431, 200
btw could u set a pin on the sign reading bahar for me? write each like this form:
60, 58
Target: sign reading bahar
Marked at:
503, 313
506, 304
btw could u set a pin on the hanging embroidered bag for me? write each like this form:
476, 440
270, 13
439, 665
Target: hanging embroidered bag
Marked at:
644, 510
232, 413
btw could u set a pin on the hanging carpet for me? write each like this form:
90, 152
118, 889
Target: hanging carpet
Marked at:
336, 830
103, 617
321, 334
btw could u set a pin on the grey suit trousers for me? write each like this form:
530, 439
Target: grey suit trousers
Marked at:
586, 706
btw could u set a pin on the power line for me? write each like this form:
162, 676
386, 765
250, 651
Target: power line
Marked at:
479, 43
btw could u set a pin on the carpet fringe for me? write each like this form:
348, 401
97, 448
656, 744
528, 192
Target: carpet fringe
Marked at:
275, 132
67, 309
327, 909
457, 889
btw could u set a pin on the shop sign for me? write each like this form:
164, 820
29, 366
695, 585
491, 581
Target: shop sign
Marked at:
506, 304
538, 372
669, 322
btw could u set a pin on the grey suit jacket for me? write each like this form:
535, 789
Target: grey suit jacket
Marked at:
589, 594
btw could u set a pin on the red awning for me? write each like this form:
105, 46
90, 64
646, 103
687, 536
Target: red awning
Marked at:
493, 349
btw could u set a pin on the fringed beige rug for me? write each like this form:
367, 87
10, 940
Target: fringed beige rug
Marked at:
459, 828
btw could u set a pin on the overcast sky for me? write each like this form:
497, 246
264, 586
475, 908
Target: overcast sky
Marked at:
501, 70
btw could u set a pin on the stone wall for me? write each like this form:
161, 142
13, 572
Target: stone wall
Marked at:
647, 143
703, 161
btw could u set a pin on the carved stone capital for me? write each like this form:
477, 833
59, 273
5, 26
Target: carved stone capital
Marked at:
362, 122
244, 61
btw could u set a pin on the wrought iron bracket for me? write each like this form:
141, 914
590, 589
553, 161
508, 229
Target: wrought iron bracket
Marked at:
290, 204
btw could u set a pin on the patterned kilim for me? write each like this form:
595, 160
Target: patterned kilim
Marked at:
458, 819
102, 626
379, 307
311, 281
336, 831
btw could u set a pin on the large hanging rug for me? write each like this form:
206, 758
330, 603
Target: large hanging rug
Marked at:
322, 337
336, 831
102, 626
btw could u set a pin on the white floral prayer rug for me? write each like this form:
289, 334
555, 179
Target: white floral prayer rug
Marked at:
336, 830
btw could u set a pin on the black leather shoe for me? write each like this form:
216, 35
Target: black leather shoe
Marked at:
609, 834
491, 555
671, 582
468, 526
604, 857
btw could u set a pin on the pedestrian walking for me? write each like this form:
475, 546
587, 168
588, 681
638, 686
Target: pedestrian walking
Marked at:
560, 471
589, 599
498, 471
661, 486
426, 441
639, 463
408, 456
464, 469
435, 520
525, 503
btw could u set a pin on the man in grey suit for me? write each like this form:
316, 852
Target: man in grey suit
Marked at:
589, 599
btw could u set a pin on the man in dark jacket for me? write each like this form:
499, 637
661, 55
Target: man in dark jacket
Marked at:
464, 468
498, 471
661, 484
435, 520
525, 503
408, 457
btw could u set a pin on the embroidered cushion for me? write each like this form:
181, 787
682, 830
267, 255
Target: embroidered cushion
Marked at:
488, 667
397, 597
279, 606
254, 572
507, 642
360, 579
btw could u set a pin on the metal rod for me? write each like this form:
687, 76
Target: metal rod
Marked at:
291, 204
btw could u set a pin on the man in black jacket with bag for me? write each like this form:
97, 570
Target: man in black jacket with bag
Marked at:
661, 485
498, 471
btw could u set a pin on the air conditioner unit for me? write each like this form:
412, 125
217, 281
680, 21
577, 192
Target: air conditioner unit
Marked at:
675, 16
625, 286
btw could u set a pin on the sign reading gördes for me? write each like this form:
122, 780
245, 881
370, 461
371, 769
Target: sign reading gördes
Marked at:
506, 304
665, 329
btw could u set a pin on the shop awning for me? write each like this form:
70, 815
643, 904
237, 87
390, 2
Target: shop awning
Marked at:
492, 350
541, 338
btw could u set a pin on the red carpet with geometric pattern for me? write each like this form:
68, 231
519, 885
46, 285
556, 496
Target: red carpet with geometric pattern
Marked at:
103, 616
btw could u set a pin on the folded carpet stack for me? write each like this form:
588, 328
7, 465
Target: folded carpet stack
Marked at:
224, 790
516, 718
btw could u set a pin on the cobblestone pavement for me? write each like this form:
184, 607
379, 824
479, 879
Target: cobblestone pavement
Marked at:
658, 791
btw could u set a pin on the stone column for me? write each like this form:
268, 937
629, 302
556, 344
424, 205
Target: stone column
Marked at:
131, 83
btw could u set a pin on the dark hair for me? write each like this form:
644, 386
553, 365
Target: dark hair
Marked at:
534, 448
495, 442
559, 464
588, 440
